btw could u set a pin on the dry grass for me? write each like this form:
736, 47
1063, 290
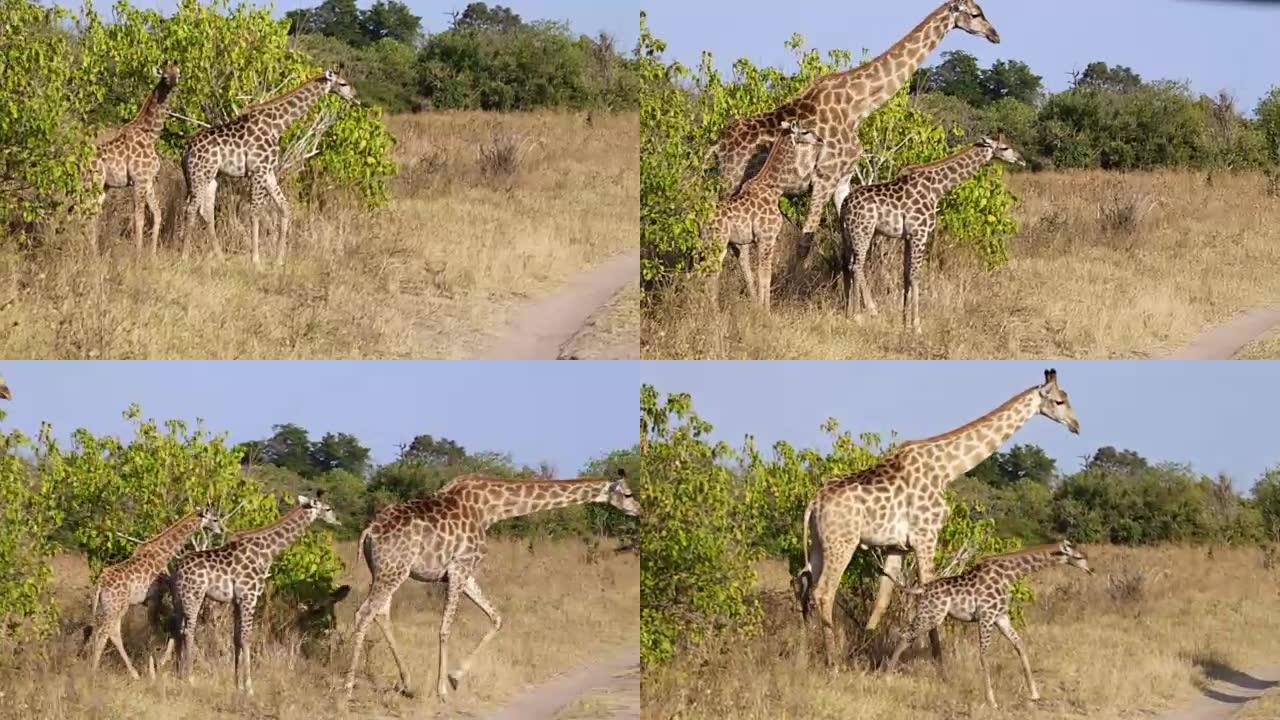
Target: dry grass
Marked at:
614, 332
431, 275
560, 610
1097, 652
1266, 707
1106, 266
1267, 348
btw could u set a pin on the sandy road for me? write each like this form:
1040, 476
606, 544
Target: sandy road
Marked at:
1228, 693
620, 673
1225, 341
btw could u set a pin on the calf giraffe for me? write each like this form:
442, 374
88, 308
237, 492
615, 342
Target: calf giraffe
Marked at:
441, 538
237, 573
905, 208
835, 105
752, 216
129, 159
899, 504
981, 595
249, 146
139, 580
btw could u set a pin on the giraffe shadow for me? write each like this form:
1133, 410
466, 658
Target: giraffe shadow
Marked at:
1225, 679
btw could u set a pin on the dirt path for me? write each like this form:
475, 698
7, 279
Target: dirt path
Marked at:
1225, 341
541, 329
542, 702
1228, 693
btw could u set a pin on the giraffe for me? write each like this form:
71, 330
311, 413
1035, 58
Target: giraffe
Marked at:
981, 595
5, 392
905, 208
249, 146
129, 159
441, 538
237, 573
834, 106
899, 503
139, 580
752, 216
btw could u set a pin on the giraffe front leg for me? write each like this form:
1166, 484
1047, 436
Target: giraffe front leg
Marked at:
244, 607
984, 644
282, 205
189, 616
912, 265
765, 270
859, 294
258, 202
446, 622
893, 567
1006, 628
472, 590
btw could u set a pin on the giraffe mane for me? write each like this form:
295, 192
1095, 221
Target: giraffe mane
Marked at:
972, 423
920, 26
273, 101
939, 162
1021, 552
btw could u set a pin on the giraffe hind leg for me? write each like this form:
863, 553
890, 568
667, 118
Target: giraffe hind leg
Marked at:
472, 590
383, 621
118, 642
384, 585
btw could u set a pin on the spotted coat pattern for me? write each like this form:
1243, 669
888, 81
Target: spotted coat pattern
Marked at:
752, 216
981, 595
835, 105
129, 159
905, 208
249, 146
140, 579
237, 573
441, 538
900, 505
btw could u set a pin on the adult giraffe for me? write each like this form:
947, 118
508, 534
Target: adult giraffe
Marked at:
835, 105
899, 504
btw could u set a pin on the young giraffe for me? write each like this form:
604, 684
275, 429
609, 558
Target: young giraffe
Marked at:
905, 208
141, 579
237, 573
835, 105
752, 216
129, 159
899, 504
981, 595
441, 538
249, 146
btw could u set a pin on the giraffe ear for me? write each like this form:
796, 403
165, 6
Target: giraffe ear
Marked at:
304, 501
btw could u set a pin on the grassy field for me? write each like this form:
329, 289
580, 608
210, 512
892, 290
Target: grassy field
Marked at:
1140, 636
432, 275
614, 332
1267, 348
562, 607
1106, 266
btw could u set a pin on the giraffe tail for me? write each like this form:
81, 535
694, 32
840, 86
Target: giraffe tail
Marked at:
803, 582
903, 588
366, 549
93, 614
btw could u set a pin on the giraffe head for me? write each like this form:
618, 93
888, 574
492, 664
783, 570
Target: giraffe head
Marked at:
968, 17
799, 135
620, 496
1001, 150
318, 509
339, 86
169, 75
210, 521
1068, 555
5, 392
1054, 403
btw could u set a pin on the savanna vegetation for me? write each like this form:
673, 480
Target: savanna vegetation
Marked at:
519, 120
721, 631
1080, 256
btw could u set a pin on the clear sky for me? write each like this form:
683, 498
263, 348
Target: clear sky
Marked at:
1218, 416
1215, 44
564, 413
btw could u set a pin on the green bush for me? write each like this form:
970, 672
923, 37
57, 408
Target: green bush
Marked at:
28, 517
683, 112
1268, 114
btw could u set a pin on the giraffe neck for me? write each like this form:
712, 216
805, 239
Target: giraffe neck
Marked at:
776, 166
971, 443
942, 177
507, 499
281, 112
891, 70
274, 538
1026, 561
151, 116
171, 538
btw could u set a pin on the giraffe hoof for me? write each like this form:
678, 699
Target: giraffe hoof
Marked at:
406, 691
454, 679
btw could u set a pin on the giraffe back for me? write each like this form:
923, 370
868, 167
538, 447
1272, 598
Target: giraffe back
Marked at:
423, 535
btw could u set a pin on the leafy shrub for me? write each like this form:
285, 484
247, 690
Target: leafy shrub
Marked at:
28, 517
682, 113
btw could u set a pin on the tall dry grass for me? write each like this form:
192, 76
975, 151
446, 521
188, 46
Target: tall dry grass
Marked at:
487, 210
1141, 636
1106, 266
563, 604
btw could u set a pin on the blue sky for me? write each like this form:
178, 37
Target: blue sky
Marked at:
564, 413
1215, 45
1220, 417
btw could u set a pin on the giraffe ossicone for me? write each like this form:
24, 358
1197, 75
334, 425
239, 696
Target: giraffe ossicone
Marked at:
441, 538
249, 146
981, 594
899, 504
904, 208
